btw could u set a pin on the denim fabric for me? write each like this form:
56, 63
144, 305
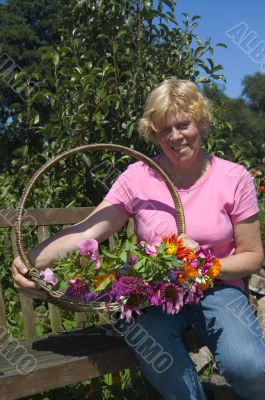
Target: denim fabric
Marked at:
224, 322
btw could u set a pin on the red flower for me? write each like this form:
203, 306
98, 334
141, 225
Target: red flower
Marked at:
255, 173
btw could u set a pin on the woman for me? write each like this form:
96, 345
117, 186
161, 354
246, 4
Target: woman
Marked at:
221, 214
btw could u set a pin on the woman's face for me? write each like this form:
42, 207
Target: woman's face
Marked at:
179, 139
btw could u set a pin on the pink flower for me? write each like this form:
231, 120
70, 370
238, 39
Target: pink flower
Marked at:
150, 250
169, 295
49, 276
90, 247
206, 257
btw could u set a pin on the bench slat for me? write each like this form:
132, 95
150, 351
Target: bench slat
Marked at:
77, 356
3, 321
54, 312
45, 216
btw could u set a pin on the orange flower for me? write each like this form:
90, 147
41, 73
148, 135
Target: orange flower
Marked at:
190, 272
215, 269
204, 286
262, 189
175, 247
116, 378
181, 278
101, 278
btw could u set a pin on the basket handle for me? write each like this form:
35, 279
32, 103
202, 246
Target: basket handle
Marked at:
82, 149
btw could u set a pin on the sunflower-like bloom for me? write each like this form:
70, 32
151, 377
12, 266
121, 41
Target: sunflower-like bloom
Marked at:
175, 246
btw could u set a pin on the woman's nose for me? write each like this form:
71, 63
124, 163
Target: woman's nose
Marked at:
175, 132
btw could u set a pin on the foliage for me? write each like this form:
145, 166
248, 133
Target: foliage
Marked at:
94, 62
93, 85
125, 385
254, 89
237, 132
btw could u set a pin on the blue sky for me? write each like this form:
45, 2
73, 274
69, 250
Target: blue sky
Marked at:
218, 17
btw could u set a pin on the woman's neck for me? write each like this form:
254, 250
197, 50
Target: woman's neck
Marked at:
186, 175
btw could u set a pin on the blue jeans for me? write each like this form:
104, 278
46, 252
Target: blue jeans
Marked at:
224, 322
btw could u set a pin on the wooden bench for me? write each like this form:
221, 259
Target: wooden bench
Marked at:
36, 364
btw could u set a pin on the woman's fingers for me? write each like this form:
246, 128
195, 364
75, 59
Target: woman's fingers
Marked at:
24, 285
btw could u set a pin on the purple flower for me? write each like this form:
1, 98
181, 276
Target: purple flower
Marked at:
123, 269
49, 276
90, 247
194, 295
170, 296
126, 312
130, 292
132, 260
79, 289
127, 286
150, 250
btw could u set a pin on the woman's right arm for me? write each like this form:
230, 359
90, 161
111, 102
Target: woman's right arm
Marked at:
104, 221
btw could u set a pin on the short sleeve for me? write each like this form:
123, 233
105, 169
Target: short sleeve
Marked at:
121, 193
245, 200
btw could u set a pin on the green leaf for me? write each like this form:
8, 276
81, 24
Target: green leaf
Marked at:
217, 68
36, 119
221, 45
195, 17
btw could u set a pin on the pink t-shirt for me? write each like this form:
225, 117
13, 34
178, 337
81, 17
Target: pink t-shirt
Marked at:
225, 195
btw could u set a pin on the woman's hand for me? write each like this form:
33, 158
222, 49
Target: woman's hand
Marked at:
188, 242
24, 285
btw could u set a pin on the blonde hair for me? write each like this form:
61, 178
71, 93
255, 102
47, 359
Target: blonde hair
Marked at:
174, 96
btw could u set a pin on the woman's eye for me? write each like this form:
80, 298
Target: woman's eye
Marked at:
165, 132
182, 127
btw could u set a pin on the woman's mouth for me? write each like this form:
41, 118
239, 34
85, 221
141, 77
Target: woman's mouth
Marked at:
178, 148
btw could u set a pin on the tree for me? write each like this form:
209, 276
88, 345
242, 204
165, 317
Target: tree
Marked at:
93, 84
238, 130
254, 91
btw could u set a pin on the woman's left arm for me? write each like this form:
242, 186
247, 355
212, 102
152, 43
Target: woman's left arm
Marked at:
249, 254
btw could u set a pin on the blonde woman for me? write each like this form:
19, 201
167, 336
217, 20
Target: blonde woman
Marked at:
221, 214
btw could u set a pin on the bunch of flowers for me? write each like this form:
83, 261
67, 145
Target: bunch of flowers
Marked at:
170, 274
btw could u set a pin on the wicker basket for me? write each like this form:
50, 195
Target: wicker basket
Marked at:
58, 298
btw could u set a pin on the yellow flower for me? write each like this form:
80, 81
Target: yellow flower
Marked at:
171, 249
174, 246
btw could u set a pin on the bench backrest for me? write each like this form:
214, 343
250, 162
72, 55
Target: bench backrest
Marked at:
43, 219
